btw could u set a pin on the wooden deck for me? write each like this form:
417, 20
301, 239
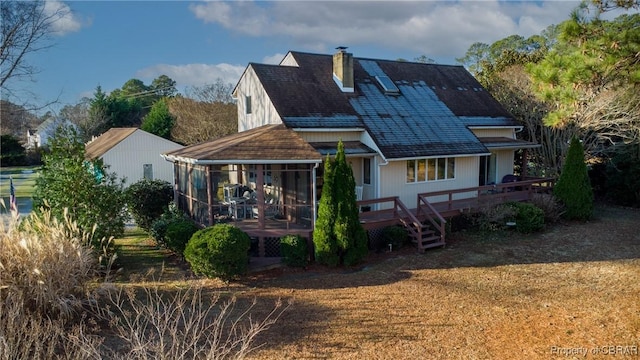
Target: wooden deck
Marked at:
425, 222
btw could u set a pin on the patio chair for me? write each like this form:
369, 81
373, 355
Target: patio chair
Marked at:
509, 178
359, 193
272, 208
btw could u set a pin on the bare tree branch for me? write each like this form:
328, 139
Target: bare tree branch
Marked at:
26, 28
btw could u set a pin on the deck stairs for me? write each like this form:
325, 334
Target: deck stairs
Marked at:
426, 227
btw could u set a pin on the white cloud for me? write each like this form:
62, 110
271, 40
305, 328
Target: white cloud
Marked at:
63, 20
194, 74
433, 28
274, 59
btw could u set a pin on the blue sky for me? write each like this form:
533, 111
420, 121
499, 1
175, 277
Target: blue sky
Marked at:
107, 43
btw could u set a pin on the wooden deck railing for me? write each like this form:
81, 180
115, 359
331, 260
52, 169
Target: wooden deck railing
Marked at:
432, 215
452, 201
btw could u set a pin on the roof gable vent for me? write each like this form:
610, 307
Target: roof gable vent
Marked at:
387, 85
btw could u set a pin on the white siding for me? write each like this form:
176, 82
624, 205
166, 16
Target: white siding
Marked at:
356, 166
262, 110
289, 60
393, 180
127, 158
504, 163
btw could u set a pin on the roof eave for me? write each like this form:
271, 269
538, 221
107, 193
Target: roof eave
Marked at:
237, 161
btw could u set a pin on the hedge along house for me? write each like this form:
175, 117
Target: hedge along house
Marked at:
408, 129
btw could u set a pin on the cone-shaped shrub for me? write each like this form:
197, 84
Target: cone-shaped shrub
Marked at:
350, 236
573, 188
324, 241
338, 236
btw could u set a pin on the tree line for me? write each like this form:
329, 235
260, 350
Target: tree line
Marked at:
579, 78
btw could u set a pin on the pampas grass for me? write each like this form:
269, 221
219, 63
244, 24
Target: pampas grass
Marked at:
48, 263
56, 302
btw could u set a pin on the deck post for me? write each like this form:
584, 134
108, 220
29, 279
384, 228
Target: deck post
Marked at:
209, 177
261, 249
260, 198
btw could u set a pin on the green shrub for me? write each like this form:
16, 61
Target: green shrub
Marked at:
395, 235
295, 251
13, 153
573, 188
67, 182
219, 251
147, 200
178, 234
159, 226
529, 217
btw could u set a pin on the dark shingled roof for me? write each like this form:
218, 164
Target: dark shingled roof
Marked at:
429, 117
268, 143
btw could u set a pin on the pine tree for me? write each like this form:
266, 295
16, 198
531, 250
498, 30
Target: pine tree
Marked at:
573, 188
339, 237
350, 236
326, 249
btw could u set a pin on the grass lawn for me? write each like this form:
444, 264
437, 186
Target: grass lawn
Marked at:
140, 257
484, 296
24, 180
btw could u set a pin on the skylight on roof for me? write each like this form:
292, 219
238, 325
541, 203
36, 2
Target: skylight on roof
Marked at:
387, 85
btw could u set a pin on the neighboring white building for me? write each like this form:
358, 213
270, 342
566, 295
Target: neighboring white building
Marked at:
133, 154
40, 136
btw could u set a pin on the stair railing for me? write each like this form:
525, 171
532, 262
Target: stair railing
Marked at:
432, 214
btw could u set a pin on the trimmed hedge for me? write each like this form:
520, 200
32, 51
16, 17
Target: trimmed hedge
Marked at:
147, 200
395, 235
220, 251
295, 251
178, 235
529, 218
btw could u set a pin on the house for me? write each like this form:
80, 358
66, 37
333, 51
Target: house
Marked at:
39, 137
409, 129
133, 154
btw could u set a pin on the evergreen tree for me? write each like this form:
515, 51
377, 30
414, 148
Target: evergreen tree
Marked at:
159, 121
339, 236
350, 236
324, 241
573, 188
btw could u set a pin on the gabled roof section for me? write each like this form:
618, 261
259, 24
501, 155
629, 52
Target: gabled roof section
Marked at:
273, 143
105, 142
428, 115
304, 95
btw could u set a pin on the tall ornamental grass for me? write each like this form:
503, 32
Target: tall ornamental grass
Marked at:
46, 262
56, 303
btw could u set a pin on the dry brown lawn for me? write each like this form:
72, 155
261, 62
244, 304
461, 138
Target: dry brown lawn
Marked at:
493, 296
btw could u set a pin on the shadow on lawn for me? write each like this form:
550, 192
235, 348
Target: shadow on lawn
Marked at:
611, 235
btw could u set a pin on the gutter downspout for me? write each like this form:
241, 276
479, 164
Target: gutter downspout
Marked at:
314, 196
378, 172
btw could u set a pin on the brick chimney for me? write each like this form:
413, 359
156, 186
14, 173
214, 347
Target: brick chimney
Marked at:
343, 69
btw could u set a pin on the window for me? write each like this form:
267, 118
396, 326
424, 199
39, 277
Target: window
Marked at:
387, 85
411, 171
247, 104
366, 171
421, 170
147, 171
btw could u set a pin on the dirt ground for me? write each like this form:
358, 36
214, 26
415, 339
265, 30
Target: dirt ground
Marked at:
572, 291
